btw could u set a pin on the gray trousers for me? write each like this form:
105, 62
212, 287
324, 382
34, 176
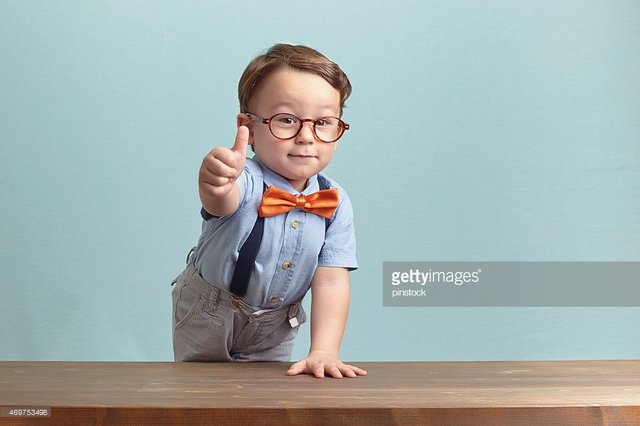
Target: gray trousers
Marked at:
210, 324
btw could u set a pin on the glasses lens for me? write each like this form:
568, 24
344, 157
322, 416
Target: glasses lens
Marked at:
328, 129
284, 126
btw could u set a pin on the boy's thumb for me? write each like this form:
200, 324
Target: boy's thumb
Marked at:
242, 140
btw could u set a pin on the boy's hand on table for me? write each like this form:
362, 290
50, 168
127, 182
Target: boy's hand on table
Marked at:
222, 166
321, 363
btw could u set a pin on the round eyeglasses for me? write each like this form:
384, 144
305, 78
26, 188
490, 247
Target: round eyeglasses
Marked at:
286, 126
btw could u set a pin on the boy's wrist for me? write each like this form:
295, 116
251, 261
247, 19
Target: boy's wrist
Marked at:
323, 351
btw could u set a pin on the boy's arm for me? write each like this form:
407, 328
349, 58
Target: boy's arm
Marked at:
329, 308
219, 171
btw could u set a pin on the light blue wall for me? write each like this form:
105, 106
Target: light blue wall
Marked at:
496, 130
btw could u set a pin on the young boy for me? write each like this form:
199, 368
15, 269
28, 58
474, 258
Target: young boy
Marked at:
273, 226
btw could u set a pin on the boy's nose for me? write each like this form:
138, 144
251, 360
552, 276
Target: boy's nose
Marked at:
306, 134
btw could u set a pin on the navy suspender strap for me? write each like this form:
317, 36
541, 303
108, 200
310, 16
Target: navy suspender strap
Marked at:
246, 259
249, 250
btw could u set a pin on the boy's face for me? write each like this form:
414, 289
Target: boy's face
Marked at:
302, 94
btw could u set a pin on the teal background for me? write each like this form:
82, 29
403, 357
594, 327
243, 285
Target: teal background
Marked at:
494, 130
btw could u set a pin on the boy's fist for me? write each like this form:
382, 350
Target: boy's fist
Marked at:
222, 166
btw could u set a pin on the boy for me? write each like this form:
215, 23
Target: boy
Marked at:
273, 227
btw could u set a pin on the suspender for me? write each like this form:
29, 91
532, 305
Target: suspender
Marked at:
247, 257
249, 250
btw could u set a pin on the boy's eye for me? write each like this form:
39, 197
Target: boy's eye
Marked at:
286, 120
325, 122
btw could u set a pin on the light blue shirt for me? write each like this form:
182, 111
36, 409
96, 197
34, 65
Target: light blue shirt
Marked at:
293, 244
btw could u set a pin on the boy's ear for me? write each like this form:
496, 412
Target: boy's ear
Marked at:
243, 120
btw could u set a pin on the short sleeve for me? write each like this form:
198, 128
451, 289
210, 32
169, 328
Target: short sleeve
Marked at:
339, 249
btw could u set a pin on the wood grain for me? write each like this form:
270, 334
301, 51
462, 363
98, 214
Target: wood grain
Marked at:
461, 393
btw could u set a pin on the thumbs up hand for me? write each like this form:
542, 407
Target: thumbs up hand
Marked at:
218, 173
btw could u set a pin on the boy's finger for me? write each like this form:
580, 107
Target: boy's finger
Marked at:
295, 369
350, 373
242, 140
214, 180
335, 372
221, 162
358, 371
318, 371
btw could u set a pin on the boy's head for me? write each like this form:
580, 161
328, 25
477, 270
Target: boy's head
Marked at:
299, 58
291, 99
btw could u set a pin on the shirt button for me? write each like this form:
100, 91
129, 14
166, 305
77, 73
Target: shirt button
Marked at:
274, 299
295, 224
286, 265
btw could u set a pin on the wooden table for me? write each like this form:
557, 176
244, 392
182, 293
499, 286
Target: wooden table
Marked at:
439, 393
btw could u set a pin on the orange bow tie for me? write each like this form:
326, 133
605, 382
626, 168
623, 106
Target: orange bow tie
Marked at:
276, 201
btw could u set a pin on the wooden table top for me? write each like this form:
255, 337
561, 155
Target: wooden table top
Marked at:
609, 389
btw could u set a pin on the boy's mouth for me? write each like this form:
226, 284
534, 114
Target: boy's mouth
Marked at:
301, 155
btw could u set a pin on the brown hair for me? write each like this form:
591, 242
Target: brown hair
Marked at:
301, 58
